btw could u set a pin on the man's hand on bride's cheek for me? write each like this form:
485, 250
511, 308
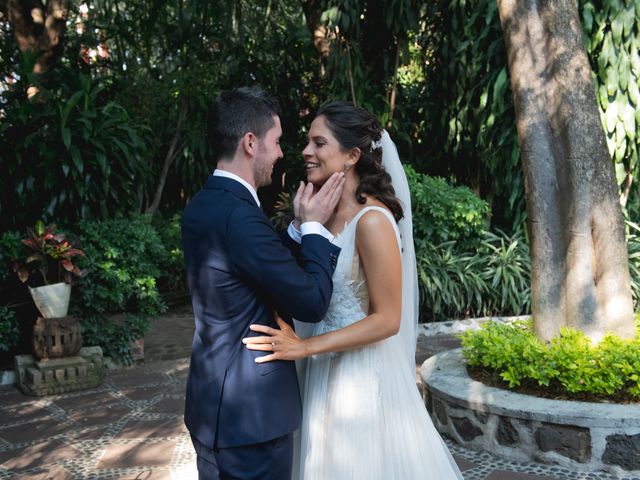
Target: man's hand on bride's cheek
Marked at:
283, 342
318, 206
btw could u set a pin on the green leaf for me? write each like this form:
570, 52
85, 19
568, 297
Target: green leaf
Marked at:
499, 86
77, 159
616, 28
634, 92
624, 70
611, 116
634, 57
628, 19
612, 81
102, 161
69, 106
629, 121
66, 136
587, 16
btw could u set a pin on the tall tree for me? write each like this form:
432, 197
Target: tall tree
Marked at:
580, 274
38, 27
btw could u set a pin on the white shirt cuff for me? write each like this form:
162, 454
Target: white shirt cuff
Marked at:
307, 228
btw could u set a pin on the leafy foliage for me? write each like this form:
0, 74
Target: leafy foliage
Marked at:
470, 109
442, 212
8, 329
123, 259
49, 255
67, 155
492, 279
11, 248
612, 41
172, 274
570, 363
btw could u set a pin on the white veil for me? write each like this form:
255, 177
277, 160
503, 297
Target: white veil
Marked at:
410, 300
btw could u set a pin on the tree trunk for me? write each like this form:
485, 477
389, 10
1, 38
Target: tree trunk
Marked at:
313, 14
579, 264
38, 28
171, 154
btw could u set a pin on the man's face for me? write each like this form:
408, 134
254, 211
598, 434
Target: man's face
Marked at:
269, 153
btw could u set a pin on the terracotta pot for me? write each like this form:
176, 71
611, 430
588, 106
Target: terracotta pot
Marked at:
52, 300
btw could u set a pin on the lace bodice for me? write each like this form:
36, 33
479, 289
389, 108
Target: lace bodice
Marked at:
350, 299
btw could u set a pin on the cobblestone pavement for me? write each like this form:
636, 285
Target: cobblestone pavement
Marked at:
131, 426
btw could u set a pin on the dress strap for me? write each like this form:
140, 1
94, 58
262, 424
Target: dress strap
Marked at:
387, 214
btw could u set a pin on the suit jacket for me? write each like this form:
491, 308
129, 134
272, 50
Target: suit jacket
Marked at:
239, 272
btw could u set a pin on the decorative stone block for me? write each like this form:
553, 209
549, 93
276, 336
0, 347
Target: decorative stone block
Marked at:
623, 450
60, 375
441, 411
466, 429
507, 435
482, 417
56, 337
570, 441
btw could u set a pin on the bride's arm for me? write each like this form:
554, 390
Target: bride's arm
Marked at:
380, 258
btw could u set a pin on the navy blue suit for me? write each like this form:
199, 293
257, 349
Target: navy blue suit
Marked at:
239, 271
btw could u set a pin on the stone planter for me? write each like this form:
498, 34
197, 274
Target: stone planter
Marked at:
56, 337
580, 435
60, 375
52, 300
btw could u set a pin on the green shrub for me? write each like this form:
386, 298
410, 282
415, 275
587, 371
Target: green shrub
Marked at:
633, 248
493, 279
71, 154
507, 272
123, 258
10, 249
172, 273
570, 365
8, 329
443, 213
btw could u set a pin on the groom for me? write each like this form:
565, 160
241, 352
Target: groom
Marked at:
241, 414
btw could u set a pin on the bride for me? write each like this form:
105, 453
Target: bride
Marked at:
363, 415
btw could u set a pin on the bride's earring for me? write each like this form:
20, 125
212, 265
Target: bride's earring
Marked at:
347, 167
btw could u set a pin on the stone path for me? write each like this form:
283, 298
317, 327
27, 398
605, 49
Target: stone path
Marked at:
131, 426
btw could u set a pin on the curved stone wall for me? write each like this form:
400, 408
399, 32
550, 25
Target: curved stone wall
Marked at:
581, 435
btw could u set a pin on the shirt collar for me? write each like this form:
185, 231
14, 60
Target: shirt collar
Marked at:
233, 176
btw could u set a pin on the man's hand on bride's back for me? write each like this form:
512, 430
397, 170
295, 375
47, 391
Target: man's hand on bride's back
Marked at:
310, 206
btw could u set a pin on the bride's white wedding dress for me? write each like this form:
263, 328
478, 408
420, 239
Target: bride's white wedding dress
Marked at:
363, 415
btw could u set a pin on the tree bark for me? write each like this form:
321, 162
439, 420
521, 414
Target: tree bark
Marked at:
171, 154
313, 14
38, 27
579, 263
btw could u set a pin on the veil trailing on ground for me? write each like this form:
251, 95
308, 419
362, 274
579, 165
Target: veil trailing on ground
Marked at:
409, 323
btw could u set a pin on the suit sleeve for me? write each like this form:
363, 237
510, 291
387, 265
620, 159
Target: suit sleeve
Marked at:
291, 244
298, 289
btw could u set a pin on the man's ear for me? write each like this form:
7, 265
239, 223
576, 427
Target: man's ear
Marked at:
249, 144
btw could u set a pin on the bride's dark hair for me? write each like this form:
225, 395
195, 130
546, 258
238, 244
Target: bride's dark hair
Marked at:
355, 127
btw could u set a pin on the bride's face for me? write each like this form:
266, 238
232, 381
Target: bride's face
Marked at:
322, 155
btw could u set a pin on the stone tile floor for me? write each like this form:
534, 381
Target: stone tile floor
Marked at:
131, 426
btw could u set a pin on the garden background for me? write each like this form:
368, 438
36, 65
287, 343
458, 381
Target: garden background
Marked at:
103, 134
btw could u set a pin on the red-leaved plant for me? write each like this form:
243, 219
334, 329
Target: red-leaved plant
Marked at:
50, 256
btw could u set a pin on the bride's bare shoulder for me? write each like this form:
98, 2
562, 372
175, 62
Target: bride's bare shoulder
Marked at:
374, 225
